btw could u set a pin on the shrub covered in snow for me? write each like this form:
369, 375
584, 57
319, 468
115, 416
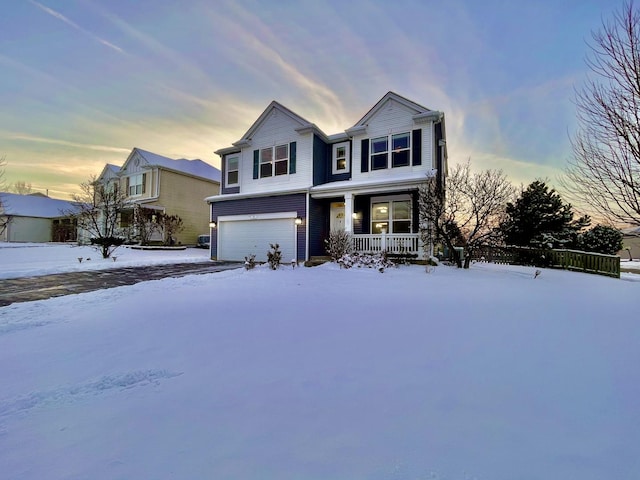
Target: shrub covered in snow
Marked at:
338, 244
379, 261
250, 261
274, 256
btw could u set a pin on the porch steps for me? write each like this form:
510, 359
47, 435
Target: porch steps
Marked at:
315, 261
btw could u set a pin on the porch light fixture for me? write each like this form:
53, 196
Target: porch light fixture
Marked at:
355, 215
298, 221
212, 225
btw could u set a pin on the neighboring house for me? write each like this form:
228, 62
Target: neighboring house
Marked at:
630, 243
287, 182
37, 218
174, 187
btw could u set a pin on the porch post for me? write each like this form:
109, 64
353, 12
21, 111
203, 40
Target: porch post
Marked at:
348, 212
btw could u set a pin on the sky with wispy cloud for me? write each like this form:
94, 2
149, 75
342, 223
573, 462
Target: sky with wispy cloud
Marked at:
83, 82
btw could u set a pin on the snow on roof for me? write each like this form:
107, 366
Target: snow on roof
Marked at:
39, 206
197, 167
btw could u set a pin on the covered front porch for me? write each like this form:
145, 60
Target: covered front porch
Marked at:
408, 244
379, 219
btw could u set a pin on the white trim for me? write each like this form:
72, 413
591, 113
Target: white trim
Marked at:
257, 216
334, 163
226, 170
306, 226
238, 196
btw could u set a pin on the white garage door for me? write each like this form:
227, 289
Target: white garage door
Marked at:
240, 238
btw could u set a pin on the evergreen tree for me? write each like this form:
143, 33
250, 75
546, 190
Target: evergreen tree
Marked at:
539, 218
601, 239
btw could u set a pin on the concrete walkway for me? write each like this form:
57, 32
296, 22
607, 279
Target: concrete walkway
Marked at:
27, 289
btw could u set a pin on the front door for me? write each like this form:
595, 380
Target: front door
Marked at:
336, 221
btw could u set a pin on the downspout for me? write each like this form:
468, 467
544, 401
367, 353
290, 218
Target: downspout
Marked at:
306, 248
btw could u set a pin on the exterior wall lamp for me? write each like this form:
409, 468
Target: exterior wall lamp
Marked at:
298, 221
212, 225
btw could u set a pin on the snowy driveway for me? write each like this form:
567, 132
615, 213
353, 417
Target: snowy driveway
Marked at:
27, 289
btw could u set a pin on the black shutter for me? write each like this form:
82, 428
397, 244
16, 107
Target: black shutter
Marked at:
144, 182
292, 157
364, 155
416, 147
256, 163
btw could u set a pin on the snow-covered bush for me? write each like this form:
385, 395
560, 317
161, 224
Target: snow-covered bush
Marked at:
274, 256
379, 261
250, 262
338, 244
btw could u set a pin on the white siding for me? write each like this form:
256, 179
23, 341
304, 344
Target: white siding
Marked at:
392, 118
277, 129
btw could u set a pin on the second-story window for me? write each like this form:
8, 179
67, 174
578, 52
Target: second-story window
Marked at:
340, 158
232, 170
379, 150
135, 184
400, 151
274, 161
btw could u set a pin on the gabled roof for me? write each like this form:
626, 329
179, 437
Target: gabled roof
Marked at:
420, 112
197, 167
109, 171
304, 124
37, 205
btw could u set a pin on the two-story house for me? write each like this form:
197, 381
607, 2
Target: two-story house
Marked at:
287, 182
174, 187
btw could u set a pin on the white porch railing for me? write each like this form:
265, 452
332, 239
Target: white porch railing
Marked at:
407, 243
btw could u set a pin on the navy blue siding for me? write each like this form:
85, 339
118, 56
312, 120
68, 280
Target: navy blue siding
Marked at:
438, 134
223, 183
362, 206
339, 176
321, 153
318, 226
274, 204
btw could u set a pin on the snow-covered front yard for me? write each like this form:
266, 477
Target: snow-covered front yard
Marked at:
321, 373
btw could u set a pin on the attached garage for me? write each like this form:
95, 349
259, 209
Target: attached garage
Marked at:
242, 235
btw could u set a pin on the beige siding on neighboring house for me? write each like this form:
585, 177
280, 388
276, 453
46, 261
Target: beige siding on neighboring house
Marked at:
28, 229
633, 244
184, 196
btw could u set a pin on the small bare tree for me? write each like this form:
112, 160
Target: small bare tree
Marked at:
467, 211
145, 223
170, 226
99, 207
604, 172
4, 218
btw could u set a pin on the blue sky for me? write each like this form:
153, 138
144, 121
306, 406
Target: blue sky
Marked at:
82, 82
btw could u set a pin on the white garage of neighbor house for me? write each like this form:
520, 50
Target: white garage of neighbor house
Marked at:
36, 218
242, 235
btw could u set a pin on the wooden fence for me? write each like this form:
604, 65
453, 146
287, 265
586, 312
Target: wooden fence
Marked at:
587, 262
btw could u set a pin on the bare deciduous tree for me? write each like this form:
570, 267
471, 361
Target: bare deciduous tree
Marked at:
604, 172
98, 212
469, 211
145, 223
170, 225
22, 188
